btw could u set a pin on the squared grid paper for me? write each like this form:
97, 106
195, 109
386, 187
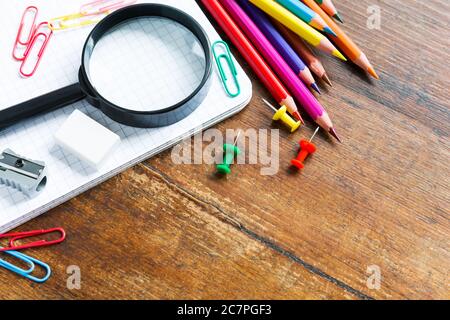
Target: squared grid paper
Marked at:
67, 176
159, 62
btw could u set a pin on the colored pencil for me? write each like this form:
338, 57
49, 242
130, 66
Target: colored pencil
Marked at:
330, 9
281, 68
304, 52
277, 41
311, 35
343, 41
306, 14
256, 62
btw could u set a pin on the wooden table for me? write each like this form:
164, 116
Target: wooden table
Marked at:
381, 198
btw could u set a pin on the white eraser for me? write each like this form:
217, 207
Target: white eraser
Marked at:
86, 139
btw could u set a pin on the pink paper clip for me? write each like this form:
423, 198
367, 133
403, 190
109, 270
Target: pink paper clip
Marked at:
33, 11
38, 35
104, 6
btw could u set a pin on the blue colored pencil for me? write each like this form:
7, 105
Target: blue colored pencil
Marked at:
306, 14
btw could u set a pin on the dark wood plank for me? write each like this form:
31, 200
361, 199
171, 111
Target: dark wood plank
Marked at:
140, 236
381, 198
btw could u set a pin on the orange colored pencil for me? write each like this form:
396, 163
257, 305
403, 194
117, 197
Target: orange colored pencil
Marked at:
304, 52
343, 41
328, 7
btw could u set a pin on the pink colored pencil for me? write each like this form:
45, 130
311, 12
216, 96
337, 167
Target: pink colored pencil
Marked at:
253, 58
281, 68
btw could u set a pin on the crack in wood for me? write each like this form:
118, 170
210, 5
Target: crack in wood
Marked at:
253, 235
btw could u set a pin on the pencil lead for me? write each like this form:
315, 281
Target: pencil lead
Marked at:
372, 72
327, 80
338, 17
329, 31
315, 87
339, 55
298, 117
334, 134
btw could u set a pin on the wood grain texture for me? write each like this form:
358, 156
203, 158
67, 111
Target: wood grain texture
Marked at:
142, 236
381, 198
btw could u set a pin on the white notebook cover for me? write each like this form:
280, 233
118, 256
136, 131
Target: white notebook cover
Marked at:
67, 176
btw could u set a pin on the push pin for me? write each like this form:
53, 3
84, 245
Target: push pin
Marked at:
281, 114
230, 151
25, 175
306, 148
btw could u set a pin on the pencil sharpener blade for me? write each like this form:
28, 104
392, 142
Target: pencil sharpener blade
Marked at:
26, 175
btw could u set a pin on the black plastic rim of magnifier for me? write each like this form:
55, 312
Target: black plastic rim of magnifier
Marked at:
154, 118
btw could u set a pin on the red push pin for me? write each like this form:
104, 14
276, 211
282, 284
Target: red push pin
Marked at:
306, 148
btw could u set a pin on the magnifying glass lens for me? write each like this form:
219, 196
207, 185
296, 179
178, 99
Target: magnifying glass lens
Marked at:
147, 64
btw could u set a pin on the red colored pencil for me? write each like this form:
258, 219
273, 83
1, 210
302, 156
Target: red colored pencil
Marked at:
253, 58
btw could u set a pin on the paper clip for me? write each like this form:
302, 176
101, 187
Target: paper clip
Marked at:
9, 266
45, 38
227, 56
30, 261
90, 13
75, 20
34, 12
104, 6
13, 237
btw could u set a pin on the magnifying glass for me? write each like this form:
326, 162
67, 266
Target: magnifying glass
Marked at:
146, 65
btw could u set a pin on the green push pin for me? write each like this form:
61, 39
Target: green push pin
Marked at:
230, 151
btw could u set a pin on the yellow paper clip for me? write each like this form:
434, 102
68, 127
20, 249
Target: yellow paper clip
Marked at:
90, 13
75, 20
102, 6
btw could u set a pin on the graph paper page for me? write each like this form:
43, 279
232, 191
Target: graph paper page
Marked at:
67, 176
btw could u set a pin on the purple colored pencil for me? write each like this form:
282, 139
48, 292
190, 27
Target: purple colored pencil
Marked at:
277, 40
281, 68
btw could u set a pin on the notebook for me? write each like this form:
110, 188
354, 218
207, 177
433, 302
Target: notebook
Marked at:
33, 138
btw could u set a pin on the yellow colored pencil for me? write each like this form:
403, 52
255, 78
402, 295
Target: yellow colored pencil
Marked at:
288, 19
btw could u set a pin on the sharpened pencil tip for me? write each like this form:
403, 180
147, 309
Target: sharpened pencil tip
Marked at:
338, 17
329, 31
316, 87
339, 55
334, 134
327, 80
298, 117
372, 72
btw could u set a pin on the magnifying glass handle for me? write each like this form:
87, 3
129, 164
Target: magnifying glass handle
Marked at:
45, 103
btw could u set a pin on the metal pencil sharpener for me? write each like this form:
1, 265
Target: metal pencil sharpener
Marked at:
25, 175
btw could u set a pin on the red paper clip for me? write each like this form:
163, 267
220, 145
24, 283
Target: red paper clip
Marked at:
30, 10
40, 243
45, 39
